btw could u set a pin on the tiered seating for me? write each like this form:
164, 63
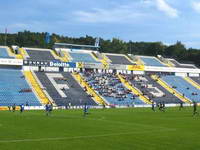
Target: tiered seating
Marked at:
151, 61
196, 79
82, 57
40, 55
38, 90
119, 59
4, 53
109, 87
15, 90
182, 86
176, 64
152, 89
75, 95
75, 91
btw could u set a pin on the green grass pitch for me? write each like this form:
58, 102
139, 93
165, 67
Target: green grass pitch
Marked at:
102, 129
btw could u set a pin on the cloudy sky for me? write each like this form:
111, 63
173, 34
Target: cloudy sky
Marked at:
136, 20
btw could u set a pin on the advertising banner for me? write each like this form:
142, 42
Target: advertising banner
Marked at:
49, 63
135, 67
14, 62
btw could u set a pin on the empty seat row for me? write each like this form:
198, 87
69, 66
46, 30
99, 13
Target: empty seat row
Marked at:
12, 84
183, 87
40, 55
119, 59
82, 57
4, 53
152, 61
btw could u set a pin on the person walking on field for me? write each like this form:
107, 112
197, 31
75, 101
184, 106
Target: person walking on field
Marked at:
153, 106
13, 107
195, 108
85, 109
181, 106
21, 108
47, 108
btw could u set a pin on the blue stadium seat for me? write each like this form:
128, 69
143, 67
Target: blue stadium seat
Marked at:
151, 62
11, 82
82, 57
4, 53
182, 86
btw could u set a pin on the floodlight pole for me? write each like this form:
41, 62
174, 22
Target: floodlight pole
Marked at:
130, 49
5, 37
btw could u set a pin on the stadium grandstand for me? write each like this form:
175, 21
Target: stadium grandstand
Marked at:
4, 52
75, 90
110, 87
151, 61
119, 59
14, 89
72, 75
152, 89
39, 54
179, 65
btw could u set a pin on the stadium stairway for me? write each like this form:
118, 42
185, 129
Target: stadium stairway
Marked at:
95, 57
129, 58
171, 90
65, 57
169, 64
10, 52
133, 89
55, 55
92, 92
17, 56
31, 79
166, 61
139, 62
165, 64
105, 61
23, 54
192, 82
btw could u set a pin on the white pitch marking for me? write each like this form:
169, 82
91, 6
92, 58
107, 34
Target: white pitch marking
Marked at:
76, 137
119, 122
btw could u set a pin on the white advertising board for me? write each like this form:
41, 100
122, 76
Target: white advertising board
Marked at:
14, 62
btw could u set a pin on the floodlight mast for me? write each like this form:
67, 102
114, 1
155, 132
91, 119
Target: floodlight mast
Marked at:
97, 41
5, 37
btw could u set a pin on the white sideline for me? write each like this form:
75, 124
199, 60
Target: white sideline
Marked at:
77, 137
103, 119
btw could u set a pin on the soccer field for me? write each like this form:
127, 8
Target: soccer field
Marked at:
117, 129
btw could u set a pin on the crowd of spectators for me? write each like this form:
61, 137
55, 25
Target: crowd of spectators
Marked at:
108, 85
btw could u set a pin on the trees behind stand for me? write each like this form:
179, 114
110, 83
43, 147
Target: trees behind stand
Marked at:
36, 39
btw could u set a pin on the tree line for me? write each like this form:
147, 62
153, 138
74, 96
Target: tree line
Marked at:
37, 40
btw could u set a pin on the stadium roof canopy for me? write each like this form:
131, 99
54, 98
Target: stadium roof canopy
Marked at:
76, 46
